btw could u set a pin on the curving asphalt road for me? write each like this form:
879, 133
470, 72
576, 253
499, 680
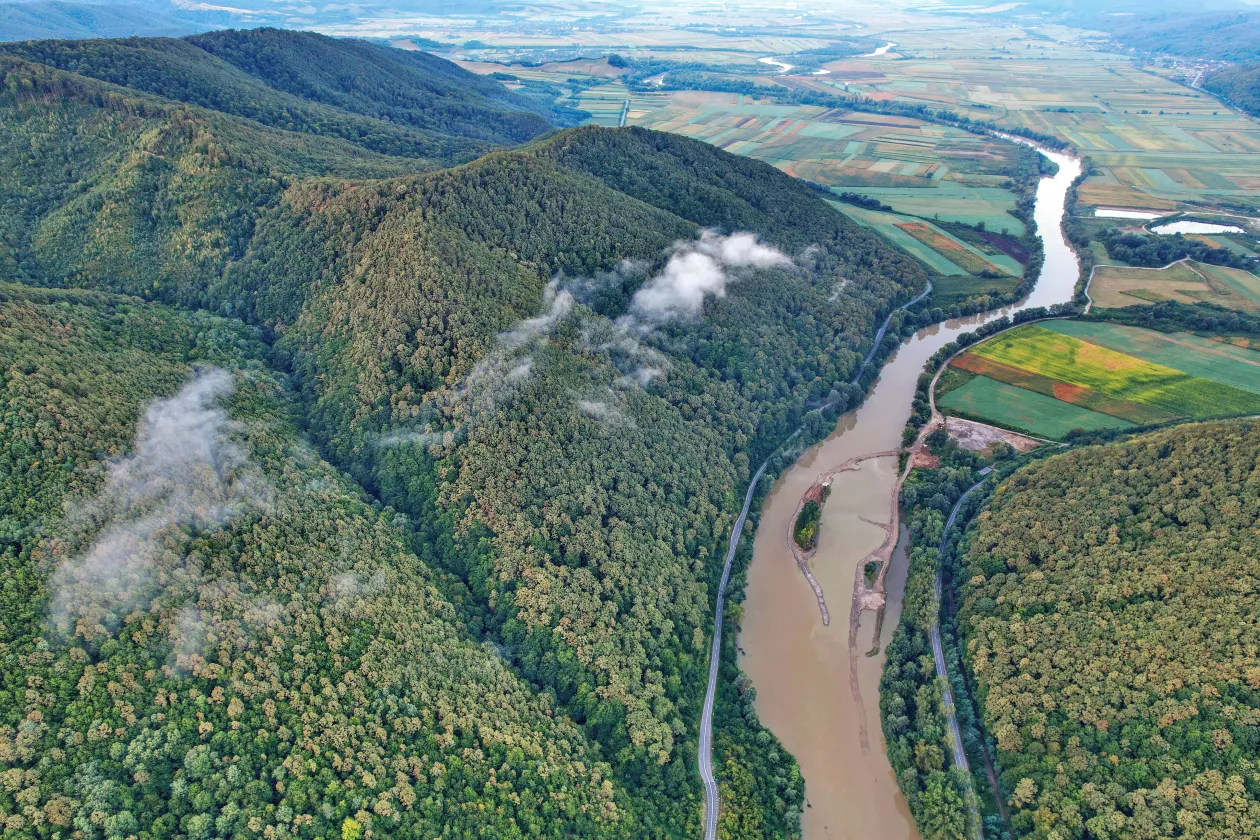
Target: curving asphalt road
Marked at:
712, 802
711, 799
879, 336
947, 695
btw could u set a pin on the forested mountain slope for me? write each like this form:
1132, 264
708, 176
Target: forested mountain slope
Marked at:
22, 20
1230, 35
1111, 624
217, 635
107, 186
539, 357
386, 100
1238, 85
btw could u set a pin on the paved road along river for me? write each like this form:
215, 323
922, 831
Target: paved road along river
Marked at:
800, 668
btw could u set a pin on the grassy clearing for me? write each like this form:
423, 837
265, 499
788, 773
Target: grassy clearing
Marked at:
1005, 405
950, 290
1233, 281
1186, 282
1075, 362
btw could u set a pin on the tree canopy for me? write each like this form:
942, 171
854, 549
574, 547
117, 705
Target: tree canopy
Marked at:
464, 344
1110, 624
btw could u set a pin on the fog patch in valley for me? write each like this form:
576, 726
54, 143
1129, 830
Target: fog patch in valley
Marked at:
186, 475
696, 270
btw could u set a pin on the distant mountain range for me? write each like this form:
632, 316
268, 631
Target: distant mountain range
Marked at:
369, 444
395, 102
23, 20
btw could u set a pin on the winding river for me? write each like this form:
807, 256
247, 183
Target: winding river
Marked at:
823, 705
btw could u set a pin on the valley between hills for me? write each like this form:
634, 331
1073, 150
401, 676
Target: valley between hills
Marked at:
606, 422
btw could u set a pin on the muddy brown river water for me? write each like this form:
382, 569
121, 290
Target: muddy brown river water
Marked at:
802, 669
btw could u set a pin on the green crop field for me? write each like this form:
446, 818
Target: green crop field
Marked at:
1077, 371
956, 283
952, 202
1134, 412
886, 225
950, 290
947, 246
1026, 411
1116, 374
1186, 352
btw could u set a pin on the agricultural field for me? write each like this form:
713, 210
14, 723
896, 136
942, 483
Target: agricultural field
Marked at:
916, 167
1187, 282
953, 201
1156, 145
1102, 376
937, 249
607, 104
956, 252
990, 401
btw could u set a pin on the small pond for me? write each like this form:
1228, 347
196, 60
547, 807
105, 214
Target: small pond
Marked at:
1111, 213
1195, 227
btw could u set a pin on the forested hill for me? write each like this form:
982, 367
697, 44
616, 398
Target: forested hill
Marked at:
27, 19
389, 101
1239, 85
1110, 621
472, 347
1232, 35
224, 637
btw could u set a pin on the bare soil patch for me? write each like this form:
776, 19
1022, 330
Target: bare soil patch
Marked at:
977, 436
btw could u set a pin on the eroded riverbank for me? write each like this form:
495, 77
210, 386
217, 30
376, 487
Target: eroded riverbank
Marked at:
802, 669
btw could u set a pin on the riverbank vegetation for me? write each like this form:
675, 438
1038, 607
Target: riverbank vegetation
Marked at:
1155, 250
805, 531
1107, 613
761, 787
911, 712
452, 342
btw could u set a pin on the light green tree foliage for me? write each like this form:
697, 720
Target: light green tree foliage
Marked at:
1111, 624
576, 501
278, 662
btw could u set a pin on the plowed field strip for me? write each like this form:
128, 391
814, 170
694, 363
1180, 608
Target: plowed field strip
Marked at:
1074, 394
947, 248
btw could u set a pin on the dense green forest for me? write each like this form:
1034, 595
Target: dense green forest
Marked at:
1215, 30
1239, 85
1109, 620
218, 635
1230, 35
911, 705
805, 531
1157, 251
477, 347
390, 101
